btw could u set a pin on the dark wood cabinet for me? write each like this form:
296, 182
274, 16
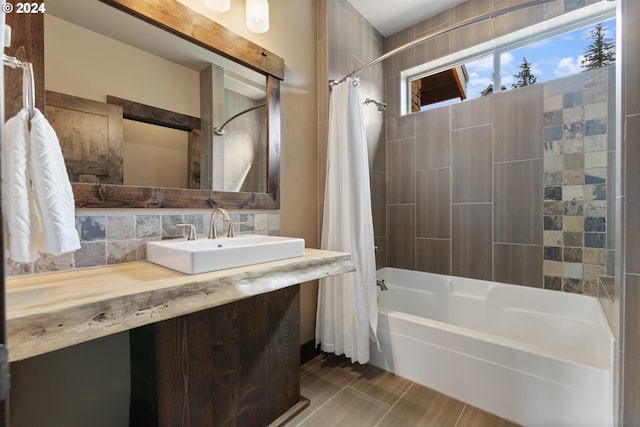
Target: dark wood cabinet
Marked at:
233, 365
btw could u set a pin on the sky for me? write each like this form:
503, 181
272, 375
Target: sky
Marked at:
550, 59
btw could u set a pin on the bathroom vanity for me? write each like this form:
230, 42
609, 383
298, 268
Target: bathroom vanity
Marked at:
218, 348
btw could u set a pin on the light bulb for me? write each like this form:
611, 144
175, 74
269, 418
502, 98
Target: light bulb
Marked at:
218, 5
258, 15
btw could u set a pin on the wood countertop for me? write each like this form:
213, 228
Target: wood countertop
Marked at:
46, 312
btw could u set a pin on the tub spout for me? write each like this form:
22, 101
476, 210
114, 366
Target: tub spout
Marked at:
381, 284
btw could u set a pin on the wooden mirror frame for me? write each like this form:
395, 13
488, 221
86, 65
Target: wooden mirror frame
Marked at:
183, 22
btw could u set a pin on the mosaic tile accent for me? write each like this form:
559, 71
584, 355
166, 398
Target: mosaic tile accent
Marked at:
553, 222
575, 181
552, 238
572, 239
595, 143
113, 237
572, 177
573, 223
553, 193
572, 255
595, 224
552, 118
553, 133
553, 253
572, 99
595, 176
553, 207
573, 207
573, 161
596, 208
595, 256
553, 283
595, 240
575, 286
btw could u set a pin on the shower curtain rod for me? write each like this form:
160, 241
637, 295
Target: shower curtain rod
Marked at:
433, 34
220, 130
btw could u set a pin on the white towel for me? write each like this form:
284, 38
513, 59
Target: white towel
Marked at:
52, 189
21, 216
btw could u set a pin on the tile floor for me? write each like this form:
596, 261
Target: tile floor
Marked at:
343, 394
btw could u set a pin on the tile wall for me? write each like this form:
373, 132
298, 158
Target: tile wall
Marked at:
347, 41
112, 237
244, 146
465, 183
628, 205
579, 180
510, 187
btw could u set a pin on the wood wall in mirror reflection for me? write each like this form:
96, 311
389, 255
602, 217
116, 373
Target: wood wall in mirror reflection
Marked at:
90, 135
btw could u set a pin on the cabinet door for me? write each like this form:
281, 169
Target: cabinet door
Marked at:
90, 134
233, 365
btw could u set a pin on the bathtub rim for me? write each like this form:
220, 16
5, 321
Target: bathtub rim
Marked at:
600, 323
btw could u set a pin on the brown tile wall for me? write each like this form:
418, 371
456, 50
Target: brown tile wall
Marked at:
477, 176
346, 43
472, 175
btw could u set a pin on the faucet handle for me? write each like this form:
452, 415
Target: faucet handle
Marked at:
192, 231
232, 229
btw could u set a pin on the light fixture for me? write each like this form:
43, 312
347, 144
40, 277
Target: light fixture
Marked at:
218, 5
258, 15
257, 12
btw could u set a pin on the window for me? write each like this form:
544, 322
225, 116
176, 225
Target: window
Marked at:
554, 57
552, 49
436, 88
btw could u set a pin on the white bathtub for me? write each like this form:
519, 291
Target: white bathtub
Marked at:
536, 357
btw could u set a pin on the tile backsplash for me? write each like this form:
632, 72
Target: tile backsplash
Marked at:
114, 237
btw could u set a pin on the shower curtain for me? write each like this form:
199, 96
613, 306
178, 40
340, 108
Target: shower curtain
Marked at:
347, 313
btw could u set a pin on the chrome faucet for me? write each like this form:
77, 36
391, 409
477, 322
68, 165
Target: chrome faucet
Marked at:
213, 234
382, 285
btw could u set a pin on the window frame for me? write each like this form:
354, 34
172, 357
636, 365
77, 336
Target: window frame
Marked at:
550, 28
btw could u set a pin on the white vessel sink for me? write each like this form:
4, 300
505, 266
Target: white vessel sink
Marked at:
201, 256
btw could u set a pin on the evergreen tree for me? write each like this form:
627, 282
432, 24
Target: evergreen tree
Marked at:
601, 51
524, 77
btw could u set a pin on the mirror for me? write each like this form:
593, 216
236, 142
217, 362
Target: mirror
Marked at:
197, 72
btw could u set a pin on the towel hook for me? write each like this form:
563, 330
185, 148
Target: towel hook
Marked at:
28, 88
28, 81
